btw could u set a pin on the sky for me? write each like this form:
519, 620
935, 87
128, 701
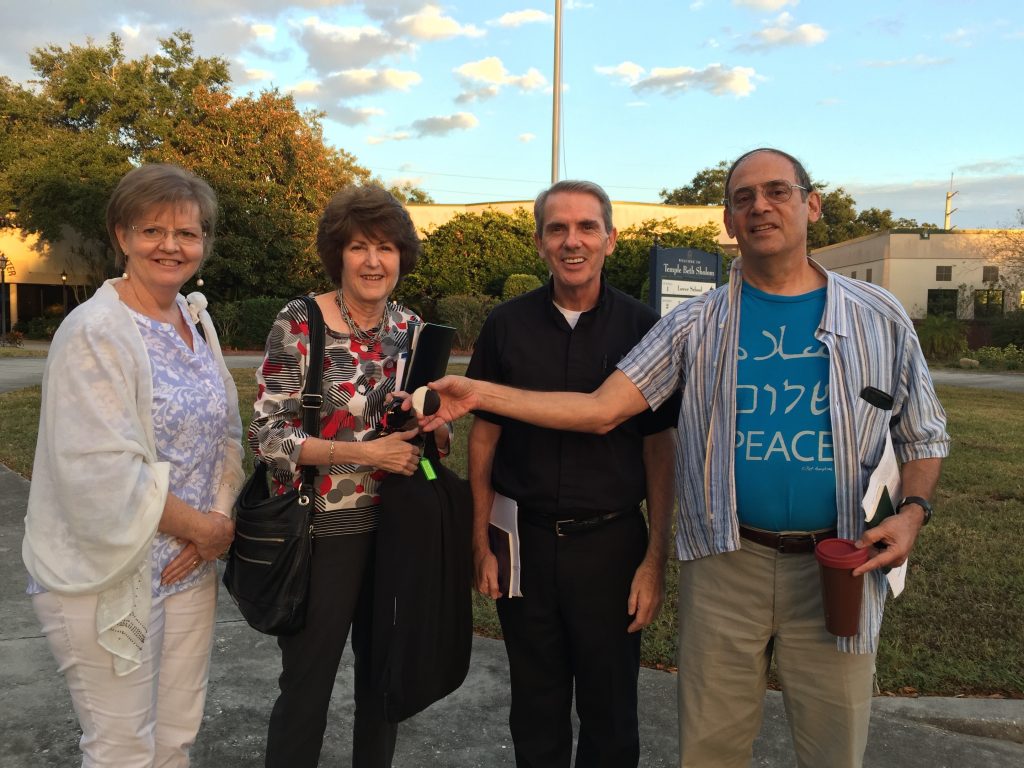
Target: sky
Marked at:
893, 101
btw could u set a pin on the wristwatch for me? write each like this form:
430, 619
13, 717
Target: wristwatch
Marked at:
922, 503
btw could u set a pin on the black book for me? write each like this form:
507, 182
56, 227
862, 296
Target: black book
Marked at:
431, 348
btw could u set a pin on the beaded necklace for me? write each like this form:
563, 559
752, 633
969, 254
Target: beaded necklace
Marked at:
370, 337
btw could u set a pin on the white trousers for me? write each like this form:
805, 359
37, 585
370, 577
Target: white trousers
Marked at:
149, 718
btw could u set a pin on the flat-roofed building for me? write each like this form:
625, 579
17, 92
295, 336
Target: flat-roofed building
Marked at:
971, 273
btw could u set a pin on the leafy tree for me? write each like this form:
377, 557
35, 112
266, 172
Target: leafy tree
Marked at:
628, 268
273, 175
94, 115
407, 192
472, 253
706, 188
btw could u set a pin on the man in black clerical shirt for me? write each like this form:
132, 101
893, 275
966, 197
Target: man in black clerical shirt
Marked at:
591, 575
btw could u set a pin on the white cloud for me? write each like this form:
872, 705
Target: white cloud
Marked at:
304, 88
714, 78
429, 23
482, 93
132, 32
331, 48
442, 125
637, 104
264, 30
628, 71
484, 79
779, 33
986, 167
359, 82
354, 116
575, 5
255, 75
518, 18
983, 202
396, 136
526, 138
765, 5
961, 37
919, 60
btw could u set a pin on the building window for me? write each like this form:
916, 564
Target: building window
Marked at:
854, 274
990, 274
942, 302
867, 275
943, 274
988, 303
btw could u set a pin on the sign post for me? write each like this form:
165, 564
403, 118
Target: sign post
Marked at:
680, 273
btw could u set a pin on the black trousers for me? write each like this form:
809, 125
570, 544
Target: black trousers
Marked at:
569, 628
341, 597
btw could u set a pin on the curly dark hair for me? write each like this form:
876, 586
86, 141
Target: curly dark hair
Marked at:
373, 212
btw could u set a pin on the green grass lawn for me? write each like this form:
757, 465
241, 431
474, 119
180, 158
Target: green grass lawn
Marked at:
957, 629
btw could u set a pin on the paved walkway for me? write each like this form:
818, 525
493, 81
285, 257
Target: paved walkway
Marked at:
469, 729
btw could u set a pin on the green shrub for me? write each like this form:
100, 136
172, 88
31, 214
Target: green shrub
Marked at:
466, 313
1010, 357
1009, 329
942, 338
244, 324
40, 328
516, 285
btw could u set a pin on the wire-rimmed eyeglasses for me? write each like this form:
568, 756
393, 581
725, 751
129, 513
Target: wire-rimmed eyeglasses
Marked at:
777, 191
151, 233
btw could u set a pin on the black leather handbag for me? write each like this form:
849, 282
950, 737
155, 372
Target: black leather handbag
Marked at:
269, 562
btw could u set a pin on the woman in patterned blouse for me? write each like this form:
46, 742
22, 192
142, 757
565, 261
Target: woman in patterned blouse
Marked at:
366, 242
137, 466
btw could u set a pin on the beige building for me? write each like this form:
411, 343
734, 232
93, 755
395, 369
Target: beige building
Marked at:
40, 276
963, 273
34, 282
428, 216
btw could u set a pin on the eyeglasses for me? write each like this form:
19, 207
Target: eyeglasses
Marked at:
777, 192
154, 234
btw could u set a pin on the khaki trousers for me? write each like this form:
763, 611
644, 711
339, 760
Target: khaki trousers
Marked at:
737, 610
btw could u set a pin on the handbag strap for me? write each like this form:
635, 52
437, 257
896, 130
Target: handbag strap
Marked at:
312, 398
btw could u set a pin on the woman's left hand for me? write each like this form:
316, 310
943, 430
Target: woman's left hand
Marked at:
181, 566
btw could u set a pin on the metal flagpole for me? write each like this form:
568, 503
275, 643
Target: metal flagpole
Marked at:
556, 101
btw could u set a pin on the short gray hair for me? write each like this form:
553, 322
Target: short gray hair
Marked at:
570, 185
154, 184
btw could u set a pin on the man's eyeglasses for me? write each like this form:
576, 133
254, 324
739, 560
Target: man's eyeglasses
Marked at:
154, 234
777, 191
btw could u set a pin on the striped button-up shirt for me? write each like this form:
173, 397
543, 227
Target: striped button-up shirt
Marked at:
870, 341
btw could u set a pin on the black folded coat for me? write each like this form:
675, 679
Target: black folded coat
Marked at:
423, 614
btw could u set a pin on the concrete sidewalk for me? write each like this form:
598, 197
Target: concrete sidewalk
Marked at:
38, 726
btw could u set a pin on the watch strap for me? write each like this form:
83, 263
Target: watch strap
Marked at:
921, 502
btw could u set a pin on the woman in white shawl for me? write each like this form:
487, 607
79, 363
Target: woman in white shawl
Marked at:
136, 470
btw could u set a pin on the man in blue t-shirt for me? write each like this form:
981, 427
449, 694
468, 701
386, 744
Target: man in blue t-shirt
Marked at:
793, 380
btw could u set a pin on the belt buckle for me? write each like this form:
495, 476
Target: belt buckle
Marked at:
796, 539
558, 526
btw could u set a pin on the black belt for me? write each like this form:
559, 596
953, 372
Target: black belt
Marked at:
786, 543
565, 526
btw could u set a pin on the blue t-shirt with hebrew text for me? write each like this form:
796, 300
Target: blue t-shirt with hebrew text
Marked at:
785, 480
